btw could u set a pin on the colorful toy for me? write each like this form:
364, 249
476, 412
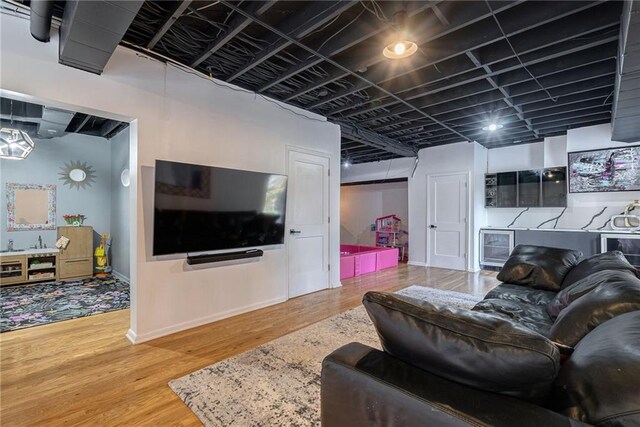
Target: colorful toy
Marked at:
102, 255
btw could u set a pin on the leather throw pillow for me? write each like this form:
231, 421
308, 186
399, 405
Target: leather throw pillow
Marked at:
476, 349
538, 267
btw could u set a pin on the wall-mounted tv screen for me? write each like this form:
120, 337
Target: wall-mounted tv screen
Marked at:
201, 208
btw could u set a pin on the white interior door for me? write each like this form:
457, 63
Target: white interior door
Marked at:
308, 223
447, 221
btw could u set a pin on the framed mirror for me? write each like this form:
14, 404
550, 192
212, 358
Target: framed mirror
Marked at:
31, 207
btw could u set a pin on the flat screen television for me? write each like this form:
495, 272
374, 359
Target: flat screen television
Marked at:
201, 208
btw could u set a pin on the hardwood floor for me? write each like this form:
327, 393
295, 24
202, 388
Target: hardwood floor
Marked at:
85, 372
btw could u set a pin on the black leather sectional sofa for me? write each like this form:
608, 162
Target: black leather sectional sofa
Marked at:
557, 344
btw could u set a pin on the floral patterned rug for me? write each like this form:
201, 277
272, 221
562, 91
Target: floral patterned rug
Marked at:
24, 306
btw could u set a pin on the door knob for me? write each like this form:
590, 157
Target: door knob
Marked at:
433, 226
292, 231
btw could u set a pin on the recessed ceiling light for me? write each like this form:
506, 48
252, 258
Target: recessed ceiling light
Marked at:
400, 49
492, 127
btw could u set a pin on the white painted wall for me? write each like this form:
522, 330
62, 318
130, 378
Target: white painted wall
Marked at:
479, 217
460, 157
385, 169
185, 118
553, 152
469, 158
43, 167
518, 157
120, 215
360, 205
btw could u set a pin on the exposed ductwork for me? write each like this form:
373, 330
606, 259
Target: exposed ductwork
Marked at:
40, 21
91, 31
626, 105
54, 122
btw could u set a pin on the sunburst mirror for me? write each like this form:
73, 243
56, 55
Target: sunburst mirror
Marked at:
77, 174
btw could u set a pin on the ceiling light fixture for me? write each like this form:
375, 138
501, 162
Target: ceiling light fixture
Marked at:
402, 47
346, 163
492, 127
15, 144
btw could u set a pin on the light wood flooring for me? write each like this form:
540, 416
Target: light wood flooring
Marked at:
85, 372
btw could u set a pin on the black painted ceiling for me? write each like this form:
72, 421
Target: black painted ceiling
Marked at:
37, 121
536, 67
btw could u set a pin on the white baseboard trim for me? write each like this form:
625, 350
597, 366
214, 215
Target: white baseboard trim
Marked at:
417, 264
131, 336
120, 276
168, 330
336, 285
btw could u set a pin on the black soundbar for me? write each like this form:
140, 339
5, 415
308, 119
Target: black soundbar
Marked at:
227, 256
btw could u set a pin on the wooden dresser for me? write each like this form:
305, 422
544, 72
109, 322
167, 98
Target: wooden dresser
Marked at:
76, 260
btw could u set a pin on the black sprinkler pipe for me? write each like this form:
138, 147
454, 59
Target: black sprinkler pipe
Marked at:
40, 22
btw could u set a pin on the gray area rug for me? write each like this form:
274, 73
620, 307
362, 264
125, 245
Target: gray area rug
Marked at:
278, 383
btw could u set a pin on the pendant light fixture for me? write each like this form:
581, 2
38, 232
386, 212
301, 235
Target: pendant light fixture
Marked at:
15, 144
402, 47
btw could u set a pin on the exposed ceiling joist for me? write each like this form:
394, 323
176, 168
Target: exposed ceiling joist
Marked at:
335, 64
446, 102
362, 29
473, 115
237, 24
108, 127
539, 68
438, 83
178, 11
462, 16
372, 139
480, 35
82, 124
314, 16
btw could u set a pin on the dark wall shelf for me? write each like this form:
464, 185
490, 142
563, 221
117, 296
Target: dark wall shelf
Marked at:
528, 189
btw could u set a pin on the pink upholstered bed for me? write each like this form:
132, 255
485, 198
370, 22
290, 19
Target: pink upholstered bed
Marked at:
356, 260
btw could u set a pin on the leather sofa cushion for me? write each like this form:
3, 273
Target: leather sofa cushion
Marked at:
476, 349
610, 299
582, 287
600, 383
538, 267
534, 317
508, 291
613, 260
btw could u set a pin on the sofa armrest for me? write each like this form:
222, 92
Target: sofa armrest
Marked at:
362, 386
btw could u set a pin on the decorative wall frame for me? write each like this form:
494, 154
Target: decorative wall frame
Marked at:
20, 200
604, 170
77, 174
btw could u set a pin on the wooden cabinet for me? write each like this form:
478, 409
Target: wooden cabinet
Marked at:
13, 269
34, 265
76, 260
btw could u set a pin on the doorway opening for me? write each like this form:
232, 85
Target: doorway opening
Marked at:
374, 223
67, 244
